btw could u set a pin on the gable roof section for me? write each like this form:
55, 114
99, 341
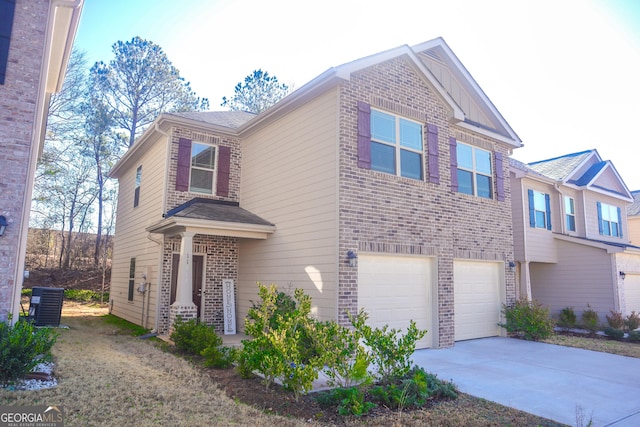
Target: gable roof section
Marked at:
634, 208
559, 168
229, 119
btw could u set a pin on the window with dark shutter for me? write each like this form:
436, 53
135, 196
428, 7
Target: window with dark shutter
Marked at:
7, 10
432, 146
224, 171
364, 135
539, 209
184, 164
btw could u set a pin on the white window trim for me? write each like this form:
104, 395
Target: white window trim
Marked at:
570, 214
614, 209
543, 211
214, 170
474, 172
398, 147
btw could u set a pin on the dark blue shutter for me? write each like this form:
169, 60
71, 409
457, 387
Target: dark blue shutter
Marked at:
499, 177
619, 222
184, 164
224, 171
432, 147
547, 204
7, 10
532, 210
364, 135
453, 155
600, 230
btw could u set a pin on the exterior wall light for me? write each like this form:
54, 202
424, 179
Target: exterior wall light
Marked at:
3, 224
622, 274
352, 256
512, 265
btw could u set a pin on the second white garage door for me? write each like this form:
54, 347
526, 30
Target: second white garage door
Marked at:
632, 293
396, 289
477, 298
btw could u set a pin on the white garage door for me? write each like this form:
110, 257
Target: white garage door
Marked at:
632, 293
477, 301
395, 290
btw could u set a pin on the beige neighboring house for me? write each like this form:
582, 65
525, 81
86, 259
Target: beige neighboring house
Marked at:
379, 185
36, 38
633, 215
572, 236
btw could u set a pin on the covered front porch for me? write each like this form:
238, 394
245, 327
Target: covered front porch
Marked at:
200, 261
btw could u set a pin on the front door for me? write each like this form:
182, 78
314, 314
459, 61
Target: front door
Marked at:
196, 280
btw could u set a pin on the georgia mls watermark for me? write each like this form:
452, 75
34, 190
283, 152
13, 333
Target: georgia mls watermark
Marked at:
31, 416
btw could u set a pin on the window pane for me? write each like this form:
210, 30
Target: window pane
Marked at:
383, 126
571, 223
410, 135
614, 229
202, 181
203, 156
465, 182
383, 158
484, 186
465, 156
606, 228
569, 207
410, 164
541, 219
613, 214
483, 162
539, 201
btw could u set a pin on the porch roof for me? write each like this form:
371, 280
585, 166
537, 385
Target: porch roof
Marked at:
213, 217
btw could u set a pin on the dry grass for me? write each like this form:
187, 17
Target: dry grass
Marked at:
603, 345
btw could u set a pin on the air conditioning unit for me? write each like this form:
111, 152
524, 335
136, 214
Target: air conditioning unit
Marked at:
45, 306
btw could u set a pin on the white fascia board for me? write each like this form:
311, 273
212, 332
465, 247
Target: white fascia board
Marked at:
176, 225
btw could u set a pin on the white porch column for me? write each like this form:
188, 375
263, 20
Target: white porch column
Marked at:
525, 281
184, 306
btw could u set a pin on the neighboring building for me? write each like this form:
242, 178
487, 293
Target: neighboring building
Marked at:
633, 215
379, 185
36, 37
571, 235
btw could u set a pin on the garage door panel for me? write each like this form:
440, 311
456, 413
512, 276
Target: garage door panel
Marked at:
396, 289
632, 293
477, 300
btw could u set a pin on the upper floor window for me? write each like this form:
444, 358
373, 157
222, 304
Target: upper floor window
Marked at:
136, 194
474, 171
203, 168
132, 278
570, 213
609, 220
396, 145
539, 210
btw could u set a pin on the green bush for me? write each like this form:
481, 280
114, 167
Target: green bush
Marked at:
527, 319
194, 337
349, 401
590, 320
567, 318
614, 333
632, 321
22, 347
616, 321
634, 336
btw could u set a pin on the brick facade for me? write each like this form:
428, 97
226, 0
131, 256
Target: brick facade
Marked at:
385, 213
18, 107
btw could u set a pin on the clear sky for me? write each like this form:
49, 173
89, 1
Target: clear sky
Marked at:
565, 74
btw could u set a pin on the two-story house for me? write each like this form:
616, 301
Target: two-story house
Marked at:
381, 184
571, 236
36, 38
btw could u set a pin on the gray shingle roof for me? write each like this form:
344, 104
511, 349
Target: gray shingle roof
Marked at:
229, 119
216, 210
559, 168
634, 208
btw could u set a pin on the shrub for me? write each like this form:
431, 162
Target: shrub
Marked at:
390, 349
590, 320
527, 319
194, 337
349, 401
614, 333
616, 321
634, 336
567, 318
632, 321
22, 347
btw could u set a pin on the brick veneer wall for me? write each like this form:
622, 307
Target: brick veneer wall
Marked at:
384, 213
221, 262
18, 97
176, 198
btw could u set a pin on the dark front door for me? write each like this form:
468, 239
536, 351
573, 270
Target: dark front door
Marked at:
196, 284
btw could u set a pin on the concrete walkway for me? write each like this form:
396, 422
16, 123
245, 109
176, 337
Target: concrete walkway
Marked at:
555, 382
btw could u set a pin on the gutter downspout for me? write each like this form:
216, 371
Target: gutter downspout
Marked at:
563, 213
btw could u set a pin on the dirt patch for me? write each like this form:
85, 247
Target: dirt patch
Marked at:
90, 279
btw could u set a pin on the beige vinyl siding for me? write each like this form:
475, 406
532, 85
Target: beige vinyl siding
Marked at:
591, 200
540, 242
582, 276
634, 230
289, 177
609, 180
131, 239
520, 218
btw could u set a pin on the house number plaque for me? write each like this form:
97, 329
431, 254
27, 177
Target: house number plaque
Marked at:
229, 306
